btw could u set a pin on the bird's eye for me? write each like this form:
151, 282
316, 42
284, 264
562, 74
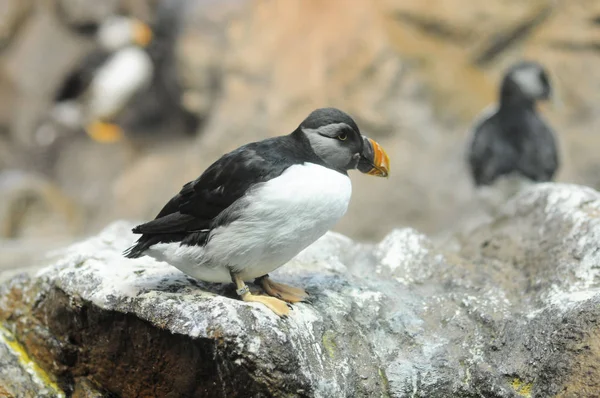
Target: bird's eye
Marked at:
342, 137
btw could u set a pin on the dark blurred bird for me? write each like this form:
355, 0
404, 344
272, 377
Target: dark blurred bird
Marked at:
160, 109
104, 82
514, 142
258, 206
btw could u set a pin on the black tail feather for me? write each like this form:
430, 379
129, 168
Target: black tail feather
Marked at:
148, 240
142, 244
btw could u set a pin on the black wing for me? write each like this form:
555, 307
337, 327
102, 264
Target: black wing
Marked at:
80, 77
541, 155
190, 215
490, 156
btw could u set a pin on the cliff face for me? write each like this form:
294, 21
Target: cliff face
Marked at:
413, 74
513, 313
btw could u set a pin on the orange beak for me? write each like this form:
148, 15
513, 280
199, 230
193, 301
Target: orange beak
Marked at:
374, 160
381, 163
142, 34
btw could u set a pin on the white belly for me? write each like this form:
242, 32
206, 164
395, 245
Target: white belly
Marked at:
284, 216
115, 83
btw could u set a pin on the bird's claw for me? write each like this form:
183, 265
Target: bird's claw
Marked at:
283, 292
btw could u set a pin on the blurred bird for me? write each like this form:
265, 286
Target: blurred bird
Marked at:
106, 80
160, 109
258, 206
512, 146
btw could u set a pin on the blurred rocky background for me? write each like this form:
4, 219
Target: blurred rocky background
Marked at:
413, 74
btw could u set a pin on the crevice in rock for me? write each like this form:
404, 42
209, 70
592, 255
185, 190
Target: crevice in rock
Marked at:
503, 41
434, 27
590, 46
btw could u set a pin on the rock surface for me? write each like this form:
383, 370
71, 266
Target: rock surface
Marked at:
514, 312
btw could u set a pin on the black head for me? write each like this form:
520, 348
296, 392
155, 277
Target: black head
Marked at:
336, 139
328, 116
526, 81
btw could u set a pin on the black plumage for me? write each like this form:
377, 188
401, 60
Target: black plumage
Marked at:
79, 79
158, 107
515, 139
206, 203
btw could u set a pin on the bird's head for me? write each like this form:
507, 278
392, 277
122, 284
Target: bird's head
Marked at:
337, 140
526, 80
120, 31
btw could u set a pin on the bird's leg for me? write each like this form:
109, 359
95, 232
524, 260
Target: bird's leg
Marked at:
288, 293
277, 306
104, 132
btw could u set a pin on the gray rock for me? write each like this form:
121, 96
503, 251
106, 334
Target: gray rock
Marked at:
514, 313
12, 15
32, 206
86, 12
34, 75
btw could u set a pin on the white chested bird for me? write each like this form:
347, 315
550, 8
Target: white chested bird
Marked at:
258, 206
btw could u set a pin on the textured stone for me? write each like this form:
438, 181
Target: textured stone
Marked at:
514, 312
20, 376
33, 73
31, 206
81, 13
12, 15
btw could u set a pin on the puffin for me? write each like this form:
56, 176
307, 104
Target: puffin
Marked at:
161, 109
259, 205
513, 141
103, 84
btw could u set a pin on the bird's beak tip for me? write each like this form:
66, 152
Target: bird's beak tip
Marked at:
142, 34
381, 161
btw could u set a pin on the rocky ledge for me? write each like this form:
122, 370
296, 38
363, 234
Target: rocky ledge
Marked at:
514, 312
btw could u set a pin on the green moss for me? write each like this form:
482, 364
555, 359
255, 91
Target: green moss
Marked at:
385, 383
329, 343
521, 388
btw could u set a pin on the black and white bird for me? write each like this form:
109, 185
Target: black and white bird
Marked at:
258, 206
513, 143
103, 83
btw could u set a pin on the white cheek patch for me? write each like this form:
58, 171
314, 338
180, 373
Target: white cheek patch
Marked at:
529, 81
115, 33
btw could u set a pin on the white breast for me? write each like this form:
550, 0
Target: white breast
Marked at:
126, 72
283, 217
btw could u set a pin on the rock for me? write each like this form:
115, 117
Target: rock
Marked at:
19, 375
33, 72
198, 53
514, 313
12, 15
31, 206
82, 13
27, 254
130, 189
35, 217
85, 388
